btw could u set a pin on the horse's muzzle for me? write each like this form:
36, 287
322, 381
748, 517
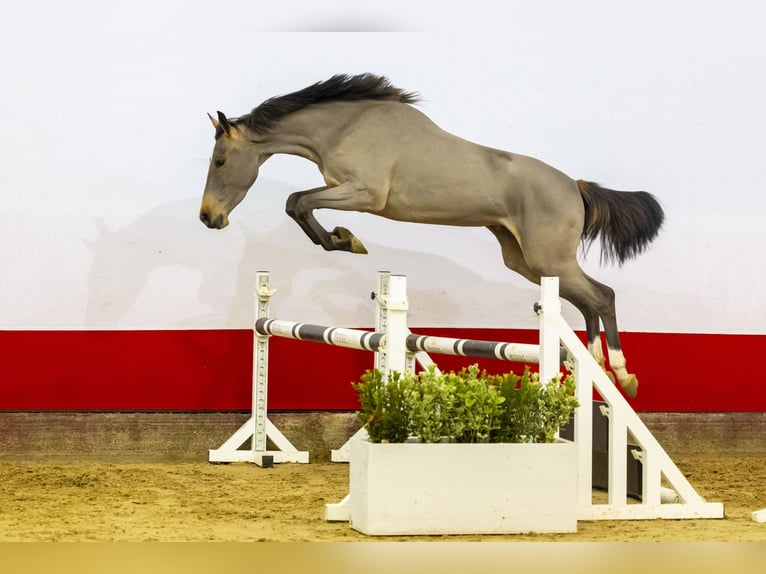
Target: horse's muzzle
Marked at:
217, 222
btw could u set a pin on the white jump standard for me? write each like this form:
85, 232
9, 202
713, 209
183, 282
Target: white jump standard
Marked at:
397, 349
258, 428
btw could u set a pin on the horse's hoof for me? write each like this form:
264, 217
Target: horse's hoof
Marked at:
630, 386
358, 247
343, 239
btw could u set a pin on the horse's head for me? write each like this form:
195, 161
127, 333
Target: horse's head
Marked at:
233, 169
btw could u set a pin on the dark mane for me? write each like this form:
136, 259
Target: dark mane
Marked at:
339, 87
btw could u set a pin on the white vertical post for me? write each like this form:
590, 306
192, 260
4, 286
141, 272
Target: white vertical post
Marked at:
260, 364
651, 479
381, 297
396, 307
390, 319
583, 431
549, 310
618, 456
258, 429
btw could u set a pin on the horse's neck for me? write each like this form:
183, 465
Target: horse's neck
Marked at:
290, 144
310, 132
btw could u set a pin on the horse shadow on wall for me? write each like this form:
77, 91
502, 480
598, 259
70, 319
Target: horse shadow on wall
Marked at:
167, 258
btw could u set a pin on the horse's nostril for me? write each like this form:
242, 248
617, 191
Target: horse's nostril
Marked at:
217, 222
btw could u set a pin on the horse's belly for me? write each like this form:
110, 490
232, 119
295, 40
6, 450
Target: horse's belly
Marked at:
441, 207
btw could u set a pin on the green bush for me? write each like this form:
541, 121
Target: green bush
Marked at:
467, 406
533, 411
384, 412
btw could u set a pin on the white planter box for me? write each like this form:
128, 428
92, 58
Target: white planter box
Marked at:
414, 488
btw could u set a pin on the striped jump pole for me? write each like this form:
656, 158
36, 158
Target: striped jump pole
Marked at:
515, 352
336, 336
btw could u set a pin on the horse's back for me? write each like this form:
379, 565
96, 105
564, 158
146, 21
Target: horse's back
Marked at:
413, 139
432, 175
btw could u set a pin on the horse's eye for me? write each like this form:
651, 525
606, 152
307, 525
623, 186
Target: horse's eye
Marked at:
219, 162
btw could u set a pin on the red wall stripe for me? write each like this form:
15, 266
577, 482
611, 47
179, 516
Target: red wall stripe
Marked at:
210, 370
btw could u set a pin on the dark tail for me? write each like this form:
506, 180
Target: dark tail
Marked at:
626, 221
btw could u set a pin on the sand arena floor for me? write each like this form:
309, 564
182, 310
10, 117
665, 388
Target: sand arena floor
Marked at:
198, 501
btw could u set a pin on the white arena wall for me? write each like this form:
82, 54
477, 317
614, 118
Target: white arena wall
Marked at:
115, 296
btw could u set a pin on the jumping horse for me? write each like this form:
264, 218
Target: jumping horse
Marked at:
378, 154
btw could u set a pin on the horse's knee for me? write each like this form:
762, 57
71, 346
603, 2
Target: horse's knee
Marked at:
291, 205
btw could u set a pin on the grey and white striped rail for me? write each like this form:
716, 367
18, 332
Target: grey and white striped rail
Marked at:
337, 336
374, 341
517, 352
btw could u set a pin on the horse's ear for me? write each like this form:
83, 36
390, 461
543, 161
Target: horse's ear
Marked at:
214, 121
224, 124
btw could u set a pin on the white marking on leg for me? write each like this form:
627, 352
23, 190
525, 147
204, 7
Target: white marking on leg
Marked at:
628, 382
618, 363
597, 351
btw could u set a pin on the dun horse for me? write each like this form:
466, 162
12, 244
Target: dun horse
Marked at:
380, 155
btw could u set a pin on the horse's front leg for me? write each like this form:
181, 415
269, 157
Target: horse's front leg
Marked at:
307, 222
347, 197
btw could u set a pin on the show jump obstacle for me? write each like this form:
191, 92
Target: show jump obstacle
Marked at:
666, 493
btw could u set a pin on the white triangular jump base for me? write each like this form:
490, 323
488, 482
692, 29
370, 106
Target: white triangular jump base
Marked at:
657, 466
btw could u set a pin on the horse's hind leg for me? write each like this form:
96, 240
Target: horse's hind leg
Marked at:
514, 259
593, 334
596, 300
